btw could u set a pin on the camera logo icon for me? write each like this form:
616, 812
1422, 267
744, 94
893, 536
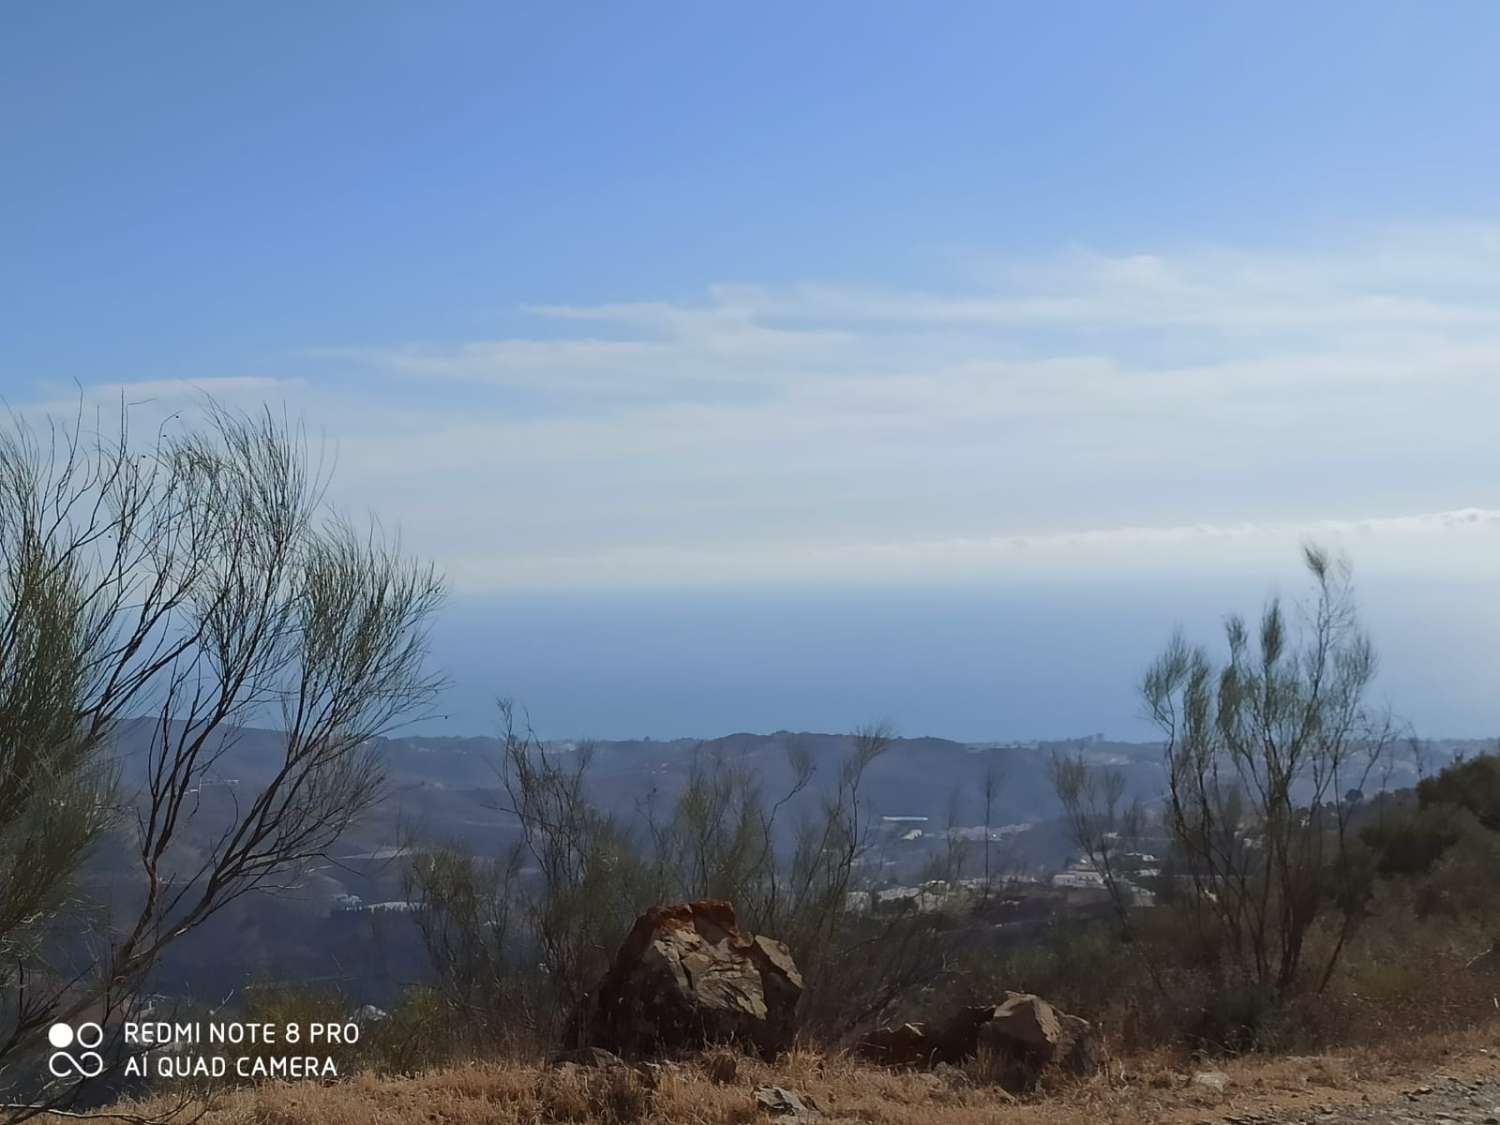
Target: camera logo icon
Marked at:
87, 1063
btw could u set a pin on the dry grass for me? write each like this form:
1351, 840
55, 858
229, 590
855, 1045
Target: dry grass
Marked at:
714, 1091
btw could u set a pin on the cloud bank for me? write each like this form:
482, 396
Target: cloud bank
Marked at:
1080, 412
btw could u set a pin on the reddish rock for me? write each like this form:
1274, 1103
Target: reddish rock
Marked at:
687, 977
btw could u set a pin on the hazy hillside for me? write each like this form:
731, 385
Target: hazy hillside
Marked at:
448, 790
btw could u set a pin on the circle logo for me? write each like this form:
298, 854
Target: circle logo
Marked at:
88, 1063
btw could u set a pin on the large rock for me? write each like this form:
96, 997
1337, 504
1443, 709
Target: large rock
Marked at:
1022, 1029
1030, 1030
687, 977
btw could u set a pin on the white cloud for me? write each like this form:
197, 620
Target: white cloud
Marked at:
1204, 397
1440, 544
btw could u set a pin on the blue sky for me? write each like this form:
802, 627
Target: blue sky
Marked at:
701, 311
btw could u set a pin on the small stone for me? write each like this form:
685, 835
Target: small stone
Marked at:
786, 1104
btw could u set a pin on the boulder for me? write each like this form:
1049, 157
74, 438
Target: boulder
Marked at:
1022, 1029
1025, 1028
687, 977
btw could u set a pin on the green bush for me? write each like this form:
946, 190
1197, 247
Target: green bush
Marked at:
1472, 784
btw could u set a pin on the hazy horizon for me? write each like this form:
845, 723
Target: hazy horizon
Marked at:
972, 664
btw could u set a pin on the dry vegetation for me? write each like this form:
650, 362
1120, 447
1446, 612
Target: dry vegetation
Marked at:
704, 1091
1408, 1005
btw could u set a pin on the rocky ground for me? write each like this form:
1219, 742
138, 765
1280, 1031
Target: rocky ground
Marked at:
1463, 1089
1445, 1099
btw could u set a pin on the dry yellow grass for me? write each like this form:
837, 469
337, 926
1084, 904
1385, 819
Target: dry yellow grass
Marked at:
705, 1092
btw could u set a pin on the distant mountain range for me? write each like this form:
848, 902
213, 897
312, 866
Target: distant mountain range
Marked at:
448, 790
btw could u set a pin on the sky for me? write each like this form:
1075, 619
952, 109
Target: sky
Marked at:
786, 365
